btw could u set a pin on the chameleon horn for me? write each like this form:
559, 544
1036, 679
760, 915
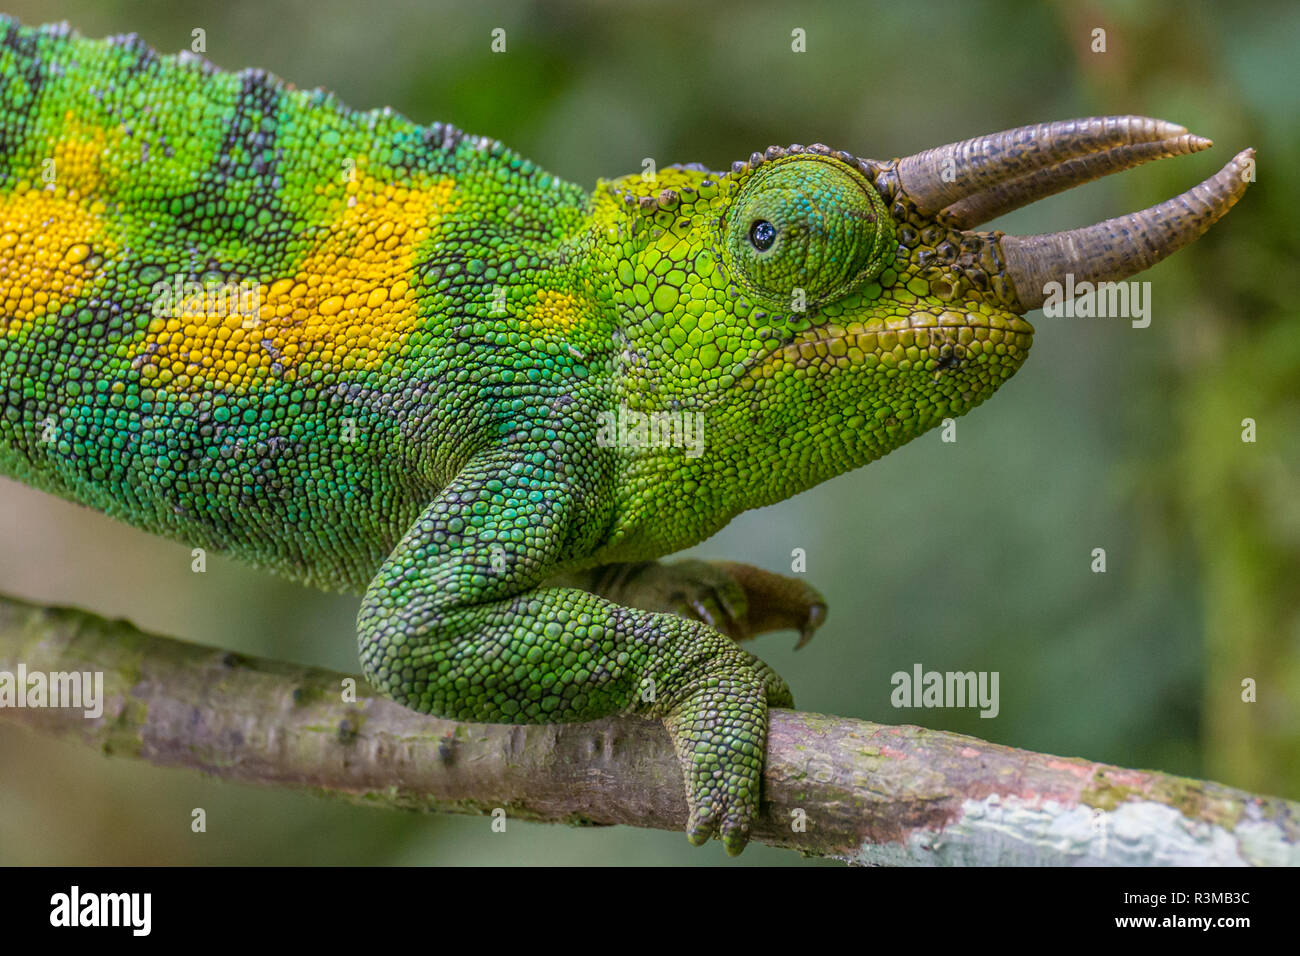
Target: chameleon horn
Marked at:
941, 177
1004, 197
1117, 248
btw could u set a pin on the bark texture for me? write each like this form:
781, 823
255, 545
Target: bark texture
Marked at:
834, 787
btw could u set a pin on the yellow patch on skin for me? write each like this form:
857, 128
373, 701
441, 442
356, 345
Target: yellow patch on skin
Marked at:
554, 311
48, 231
346, 306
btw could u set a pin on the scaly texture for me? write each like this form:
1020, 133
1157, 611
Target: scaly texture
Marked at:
394, 359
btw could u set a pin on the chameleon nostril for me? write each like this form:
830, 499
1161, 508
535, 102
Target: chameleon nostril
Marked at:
948, 358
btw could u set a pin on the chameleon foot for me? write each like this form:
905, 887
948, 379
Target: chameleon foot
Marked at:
720, 734
739, 600
776, 602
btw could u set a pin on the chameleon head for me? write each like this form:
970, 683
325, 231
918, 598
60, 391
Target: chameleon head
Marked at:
822, 310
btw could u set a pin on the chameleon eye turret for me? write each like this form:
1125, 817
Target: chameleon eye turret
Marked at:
806, 222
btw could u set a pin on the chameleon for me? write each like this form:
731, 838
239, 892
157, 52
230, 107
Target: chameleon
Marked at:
405, 362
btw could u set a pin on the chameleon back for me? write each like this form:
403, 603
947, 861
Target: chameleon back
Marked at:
230, 310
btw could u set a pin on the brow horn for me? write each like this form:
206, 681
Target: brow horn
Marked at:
941, 177
1004, 197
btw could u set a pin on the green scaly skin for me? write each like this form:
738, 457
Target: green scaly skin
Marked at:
415, 411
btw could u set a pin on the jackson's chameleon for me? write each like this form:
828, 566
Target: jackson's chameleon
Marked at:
403, 361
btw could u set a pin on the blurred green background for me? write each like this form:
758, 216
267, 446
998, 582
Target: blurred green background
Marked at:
972, 555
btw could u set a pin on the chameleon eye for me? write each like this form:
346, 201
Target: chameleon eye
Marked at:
805, 222
762, 234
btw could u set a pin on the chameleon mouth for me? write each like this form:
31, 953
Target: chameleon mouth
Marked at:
953, 321
975, 180
927, 333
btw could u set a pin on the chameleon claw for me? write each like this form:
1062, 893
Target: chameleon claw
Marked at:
816, 617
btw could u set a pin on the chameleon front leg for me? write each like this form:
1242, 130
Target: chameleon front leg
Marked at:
738, 599
455, 624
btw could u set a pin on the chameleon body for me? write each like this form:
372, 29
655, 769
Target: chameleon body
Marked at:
384, 358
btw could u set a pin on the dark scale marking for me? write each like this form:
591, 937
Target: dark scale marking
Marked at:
145, 59
242, 180
442, 137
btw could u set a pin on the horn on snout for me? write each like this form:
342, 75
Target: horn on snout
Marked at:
975, 180
1119, 247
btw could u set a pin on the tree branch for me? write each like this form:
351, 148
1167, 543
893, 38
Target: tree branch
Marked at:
867, 793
